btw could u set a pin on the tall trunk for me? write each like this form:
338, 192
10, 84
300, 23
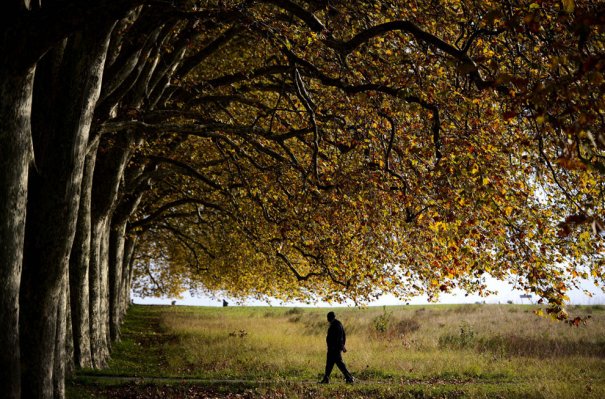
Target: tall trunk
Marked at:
109, 172
118, 244
116, 260
128, 260
60, 342
104, 263
69, 336
78, 268
15, 156
99, 344
60, 123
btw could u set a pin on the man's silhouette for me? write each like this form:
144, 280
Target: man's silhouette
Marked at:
336, 340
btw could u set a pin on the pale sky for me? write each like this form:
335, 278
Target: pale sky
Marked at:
505, 293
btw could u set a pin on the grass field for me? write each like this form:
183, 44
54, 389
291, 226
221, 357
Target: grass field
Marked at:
436, 351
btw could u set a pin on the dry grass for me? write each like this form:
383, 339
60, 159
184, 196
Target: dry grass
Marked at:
437, 351
474, 341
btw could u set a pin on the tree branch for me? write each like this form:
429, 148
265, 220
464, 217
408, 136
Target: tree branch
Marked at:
191, 62
468, 65
190, 171
298, 276
307, 17
174, 204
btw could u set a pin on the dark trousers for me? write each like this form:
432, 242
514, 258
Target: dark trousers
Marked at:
335, 358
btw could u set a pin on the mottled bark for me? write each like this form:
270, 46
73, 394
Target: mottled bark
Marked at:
118, 273
61, 118
108, 175
78, 268
15, 156
98, 323
128, 261
116, 257
61, 342
70, 366
104, 275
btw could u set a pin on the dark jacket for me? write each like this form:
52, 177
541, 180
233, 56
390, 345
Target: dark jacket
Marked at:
336, 338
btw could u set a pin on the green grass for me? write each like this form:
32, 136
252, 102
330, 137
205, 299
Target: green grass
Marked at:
439, 351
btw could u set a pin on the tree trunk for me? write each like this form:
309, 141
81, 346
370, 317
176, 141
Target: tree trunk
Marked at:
60, 342
69, 336
61, 122
15, 156
116, 260
128, 261
99, 344
104, 263
78, 268
108, 175
118, 246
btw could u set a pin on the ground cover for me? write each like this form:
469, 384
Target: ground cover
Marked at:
436, 351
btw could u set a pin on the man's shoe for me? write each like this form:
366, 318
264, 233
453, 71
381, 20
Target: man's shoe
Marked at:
350, 380
324, 381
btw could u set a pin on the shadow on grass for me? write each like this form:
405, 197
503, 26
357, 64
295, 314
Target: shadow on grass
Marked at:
140, 352
297, 391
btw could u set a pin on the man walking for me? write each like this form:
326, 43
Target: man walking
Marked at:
336, 340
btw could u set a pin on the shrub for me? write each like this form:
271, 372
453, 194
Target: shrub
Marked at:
466, 338
381, 322
407, 326
294, 311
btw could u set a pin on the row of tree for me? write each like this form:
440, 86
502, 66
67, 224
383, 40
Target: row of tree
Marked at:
290, 149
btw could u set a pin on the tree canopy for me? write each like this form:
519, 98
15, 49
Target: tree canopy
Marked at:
292, 149
347, 150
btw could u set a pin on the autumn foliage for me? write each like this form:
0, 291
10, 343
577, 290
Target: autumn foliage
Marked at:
349, 149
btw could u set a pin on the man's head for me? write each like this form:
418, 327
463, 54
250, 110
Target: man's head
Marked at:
331, 316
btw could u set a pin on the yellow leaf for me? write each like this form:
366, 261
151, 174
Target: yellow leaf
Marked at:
568, 6
585, 236
485, 181
508, 210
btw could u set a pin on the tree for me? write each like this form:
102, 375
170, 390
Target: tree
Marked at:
290, 149
30, 299
458, 142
